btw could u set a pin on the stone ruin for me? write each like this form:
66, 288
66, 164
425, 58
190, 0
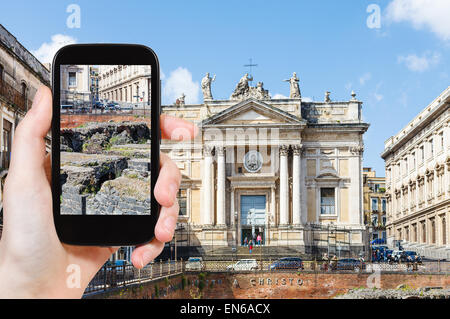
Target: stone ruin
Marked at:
105, 169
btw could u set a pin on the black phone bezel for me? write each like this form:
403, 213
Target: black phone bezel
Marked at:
105, 230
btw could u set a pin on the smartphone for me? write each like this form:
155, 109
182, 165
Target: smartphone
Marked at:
105, 143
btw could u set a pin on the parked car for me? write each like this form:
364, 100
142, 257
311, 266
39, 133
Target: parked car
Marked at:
287, 263
244, 265
410, 256
350, 264
396, 255
195, 264
99, 104
113, 106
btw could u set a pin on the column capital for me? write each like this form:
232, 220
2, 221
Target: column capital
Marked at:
208, 150
284, 149
297, 149
220, 150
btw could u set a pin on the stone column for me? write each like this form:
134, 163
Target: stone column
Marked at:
207, 210
221, 185
296, 204
273, 210
284, 185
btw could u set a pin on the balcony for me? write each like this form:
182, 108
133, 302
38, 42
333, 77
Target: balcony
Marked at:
14, 97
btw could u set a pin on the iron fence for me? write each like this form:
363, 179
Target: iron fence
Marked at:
111, 277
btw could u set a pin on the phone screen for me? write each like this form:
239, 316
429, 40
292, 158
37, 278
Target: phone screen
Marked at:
105, 132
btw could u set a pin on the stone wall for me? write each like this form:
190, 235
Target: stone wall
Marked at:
283, 285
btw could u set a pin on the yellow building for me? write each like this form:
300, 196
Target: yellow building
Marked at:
374, 203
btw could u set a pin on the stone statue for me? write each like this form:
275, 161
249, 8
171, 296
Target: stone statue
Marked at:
294, 87
180, 100
327, 96
242, 87
206, 86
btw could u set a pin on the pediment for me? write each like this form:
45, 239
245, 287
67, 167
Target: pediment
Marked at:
252, 112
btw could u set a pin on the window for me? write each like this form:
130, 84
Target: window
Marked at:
424, 233
182, 200
383, 204
441, 140
374, 204
327, 201
72, 79
444, 231
406, 165
433, 231
413, 160
431, 148
422, 154
1, 72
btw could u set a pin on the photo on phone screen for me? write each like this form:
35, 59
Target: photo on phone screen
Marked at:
105, 133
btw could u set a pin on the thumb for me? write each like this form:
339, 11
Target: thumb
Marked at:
28, 150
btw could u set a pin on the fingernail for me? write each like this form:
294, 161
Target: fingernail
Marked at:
37, 97
169, 223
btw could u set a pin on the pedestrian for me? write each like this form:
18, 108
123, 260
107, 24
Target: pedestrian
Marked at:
245, 241
258, 239
250, 246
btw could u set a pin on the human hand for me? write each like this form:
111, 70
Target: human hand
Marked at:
33, 262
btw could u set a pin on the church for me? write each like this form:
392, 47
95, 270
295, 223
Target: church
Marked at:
285, 170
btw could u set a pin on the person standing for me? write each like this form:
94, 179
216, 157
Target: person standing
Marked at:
250, 246
259, 239
245, 241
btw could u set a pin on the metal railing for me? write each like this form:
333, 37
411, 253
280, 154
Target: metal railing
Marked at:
13, 96
114, 276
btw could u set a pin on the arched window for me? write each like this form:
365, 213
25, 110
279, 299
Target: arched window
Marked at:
1, 72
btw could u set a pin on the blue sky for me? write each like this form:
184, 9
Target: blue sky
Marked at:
396, 70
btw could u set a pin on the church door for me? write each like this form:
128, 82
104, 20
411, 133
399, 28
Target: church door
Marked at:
253, 216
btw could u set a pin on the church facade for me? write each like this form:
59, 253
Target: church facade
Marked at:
276, 168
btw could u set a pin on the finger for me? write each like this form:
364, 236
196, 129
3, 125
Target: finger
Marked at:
176, 129
167, 220
169, 179
29, 137
144, 254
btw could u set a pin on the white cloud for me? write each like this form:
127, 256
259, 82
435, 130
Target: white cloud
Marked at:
279, 96
430, 14
180, 82
348, 86
420, 63
364, 78
47, 51
378, 97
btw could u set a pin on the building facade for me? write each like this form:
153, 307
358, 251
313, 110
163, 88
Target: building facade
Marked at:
374, 204
75, 86
277, 168
125, 84
21, 74
417, 162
